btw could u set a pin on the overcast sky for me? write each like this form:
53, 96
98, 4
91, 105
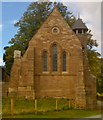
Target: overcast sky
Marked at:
90, 12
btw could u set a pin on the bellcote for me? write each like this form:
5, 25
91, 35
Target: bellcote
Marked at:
79, 27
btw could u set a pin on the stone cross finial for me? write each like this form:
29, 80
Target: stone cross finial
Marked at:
78, 15
17, 54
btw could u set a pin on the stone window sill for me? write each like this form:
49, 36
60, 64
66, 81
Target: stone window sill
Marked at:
45, 72
64, 72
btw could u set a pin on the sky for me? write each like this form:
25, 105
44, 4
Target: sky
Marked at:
11, 12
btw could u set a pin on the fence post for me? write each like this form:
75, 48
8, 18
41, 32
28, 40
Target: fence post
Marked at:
12, 106
75, 105
35, 104
56, 104
69, 104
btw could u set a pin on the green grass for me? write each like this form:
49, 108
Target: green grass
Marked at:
58, 114
27, 106
46, 109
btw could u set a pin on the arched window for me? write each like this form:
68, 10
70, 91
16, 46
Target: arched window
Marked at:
64, 61
54, 58
45, 61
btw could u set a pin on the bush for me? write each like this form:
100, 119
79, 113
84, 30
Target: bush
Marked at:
66, 107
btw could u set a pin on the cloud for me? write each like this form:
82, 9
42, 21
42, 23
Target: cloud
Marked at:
91, 14
12, 22
53, 0
1, 62
1, 32
1, 27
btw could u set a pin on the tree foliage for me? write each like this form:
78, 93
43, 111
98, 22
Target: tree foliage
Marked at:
95, 63
93, 56
100, 79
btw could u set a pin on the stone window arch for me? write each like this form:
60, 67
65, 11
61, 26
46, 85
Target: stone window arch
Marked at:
54, 58
45, 61
64, 61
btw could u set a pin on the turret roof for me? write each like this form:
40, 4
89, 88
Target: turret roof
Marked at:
79, 25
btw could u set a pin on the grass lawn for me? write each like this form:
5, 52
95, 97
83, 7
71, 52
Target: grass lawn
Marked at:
46, 109
58, 114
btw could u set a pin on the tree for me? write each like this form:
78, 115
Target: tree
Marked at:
93, 56
95, 63
100, 78
28, 25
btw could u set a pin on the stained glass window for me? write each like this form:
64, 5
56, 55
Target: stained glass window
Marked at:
45, 61
54, 58
64, 61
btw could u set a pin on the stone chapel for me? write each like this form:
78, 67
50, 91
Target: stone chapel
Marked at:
55, 64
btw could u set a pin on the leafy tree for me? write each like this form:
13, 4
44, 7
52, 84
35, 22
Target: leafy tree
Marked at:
93, 56
100, 79
95, 63
28, 25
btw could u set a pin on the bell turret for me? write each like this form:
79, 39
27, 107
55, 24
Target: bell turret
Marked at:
80, 30
79, 27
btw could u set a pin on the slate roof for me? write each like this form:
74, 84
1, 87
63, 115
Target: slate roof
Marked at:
79, 25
